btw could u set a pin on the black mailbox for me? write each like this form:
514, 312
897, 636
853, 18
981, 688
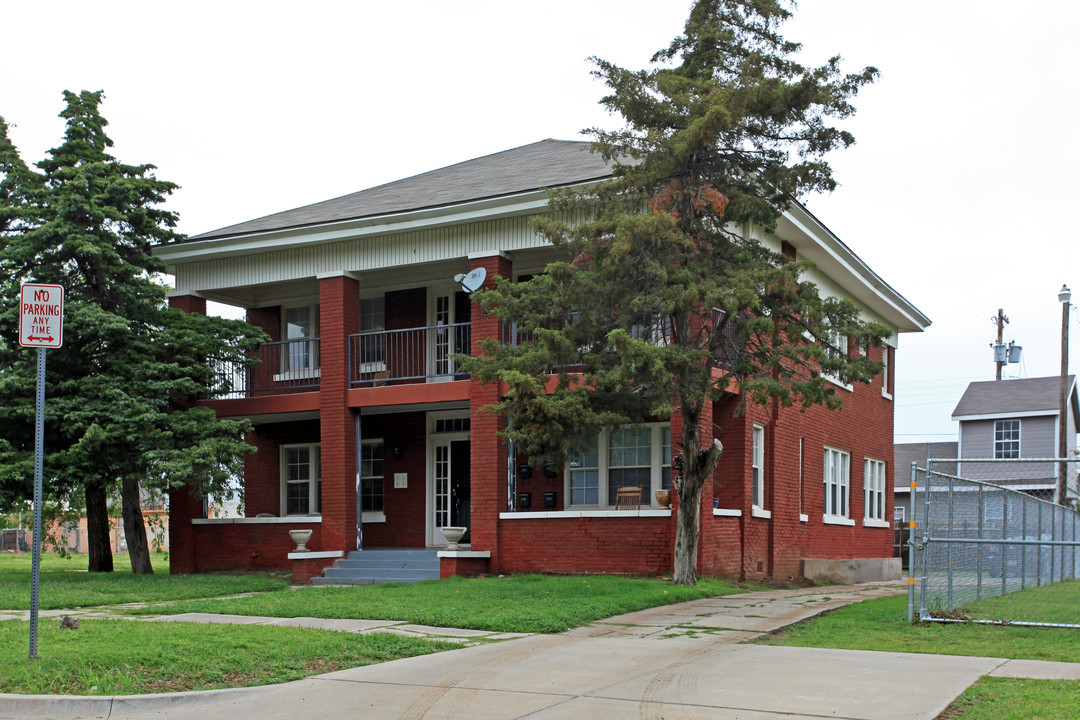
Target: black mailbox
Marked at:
524, 500
549, 499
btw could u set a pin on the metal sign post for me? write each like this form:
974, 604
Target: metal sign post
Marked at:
41, 326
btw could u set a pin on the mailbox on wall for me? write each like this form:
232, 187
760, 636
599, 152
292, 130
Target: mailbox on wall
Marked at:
549, 499
524, 500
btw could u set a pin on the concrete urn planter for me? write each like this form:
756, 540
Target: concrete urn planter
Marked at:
663, 499
300, 537
453, 535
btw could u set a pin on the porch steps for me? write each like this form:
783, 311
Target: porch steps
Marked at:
372, 567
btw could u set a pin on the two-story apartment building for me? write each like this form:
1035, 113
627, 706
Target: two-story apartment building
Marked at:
371, 437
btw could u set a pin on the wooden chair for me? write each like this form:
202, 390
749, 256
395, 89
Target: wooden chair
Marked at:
628, 498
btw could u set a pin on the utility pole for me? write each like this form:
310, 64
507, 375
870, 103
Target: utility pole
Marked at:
1063, 405
1001, 321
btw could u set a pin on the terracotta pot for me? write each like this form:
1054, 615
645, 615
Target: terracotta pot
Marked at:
663, 499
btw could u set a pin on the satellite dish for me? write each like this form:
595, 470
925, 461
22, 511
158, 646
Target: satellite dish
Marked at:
473, 281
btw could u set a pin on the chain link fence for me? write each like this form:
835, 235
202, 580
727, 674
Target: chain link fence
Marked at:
988, 545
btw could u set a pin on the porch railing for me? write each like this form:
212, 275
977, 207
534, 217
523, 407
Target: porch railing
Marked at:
284, 365
375, 358
382, 357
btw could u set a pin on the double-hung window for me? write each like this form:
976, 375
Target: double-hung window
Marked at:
874, 490
1006, 439
301, 480
627, 456
372, 341
837, 483
757, 466
300, 331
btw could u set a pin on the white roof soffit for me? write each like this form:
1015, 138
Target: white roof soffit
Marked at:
307, 236
817, 243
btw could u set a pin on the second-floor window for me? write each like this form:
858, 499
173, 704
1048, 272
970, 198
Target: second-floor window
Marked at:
300, 328
372, 346
1006, 439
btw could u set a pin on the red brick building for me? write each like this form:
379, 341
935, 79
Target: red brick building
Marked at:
369, 436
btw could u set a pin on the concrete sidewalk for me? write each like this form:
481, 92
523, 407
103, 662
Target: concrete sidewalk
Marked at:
679, 661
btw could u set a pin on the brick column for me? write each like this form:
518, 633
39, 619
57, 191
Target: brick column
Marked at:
339, 316
488, 473
183, 506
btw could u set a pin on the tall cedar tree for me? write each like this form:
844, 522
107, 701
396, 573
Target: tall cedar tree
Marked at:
120, 417
668, 297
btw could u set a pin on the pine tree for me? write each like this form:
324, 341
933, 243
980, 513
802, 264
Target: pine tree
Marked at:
120, 393
667, 296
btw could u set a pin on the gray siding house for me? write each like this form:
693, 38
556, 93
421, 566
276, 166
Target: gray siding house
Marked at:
1016, 419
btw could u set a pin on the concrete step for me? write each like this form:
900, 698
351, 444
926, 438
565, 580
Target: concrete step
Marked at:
370, 567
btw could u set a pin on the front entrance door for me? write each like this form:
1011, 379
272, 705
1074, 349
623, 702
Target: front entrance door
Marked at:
450, 483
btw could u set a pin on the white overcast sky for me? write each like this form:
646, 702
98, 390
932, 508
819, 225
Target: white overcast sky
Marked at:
956, 192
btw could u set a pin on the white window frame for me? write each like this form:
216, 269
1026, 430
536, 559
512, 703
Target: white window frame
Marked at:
874, 492
311, 368
598, 476
757, 465
1000, 442
373, 515
372, 311
885, 372
314, 481
837, 474
836, 345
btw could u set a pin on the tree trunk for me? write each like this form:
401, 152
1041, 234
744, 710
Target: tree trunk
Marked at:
134, 527
697, 466
98, 543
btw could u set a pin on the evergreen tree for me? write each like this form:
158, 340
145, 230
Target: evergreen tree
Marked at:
120, 416
668, 296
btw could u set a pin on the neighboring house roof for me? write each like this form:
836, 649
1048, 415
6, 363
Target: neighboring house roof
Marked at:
545, 164
906, 453
1013, 398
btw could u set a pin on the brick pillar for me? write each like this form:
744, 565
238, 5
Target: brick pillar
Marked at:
488, 453
188, 303
183, 506
339, 316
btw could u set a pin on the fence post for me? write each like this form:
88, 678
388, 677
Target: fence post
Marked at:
949, 546
1023, 548
926, 535
1004, 537
979, 547
911, 547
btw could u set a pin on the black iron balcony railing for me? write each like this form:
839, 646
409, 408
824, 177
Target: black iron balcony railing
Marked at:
375, 358
284, 365
382, 357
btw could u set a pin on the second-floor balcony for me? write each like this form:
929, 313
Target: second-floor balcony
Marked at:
375, 358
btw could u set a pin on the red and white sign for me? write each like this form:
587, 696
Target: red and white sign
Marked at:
41, 316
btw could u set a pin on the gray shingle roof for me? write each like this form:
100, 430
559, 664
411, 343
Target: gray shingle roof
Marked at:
548, 163
997, 397
906, 453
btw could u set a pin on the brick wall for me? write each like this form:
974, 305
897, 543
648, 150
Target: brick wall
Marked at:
254, 546
405, 508
632, 545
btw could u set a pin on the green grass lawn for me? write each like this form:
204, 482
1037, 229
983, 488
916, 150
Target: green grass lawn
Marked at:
1016, 699
1055, 603
121, 657
517, 603
882, 624
66, 584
